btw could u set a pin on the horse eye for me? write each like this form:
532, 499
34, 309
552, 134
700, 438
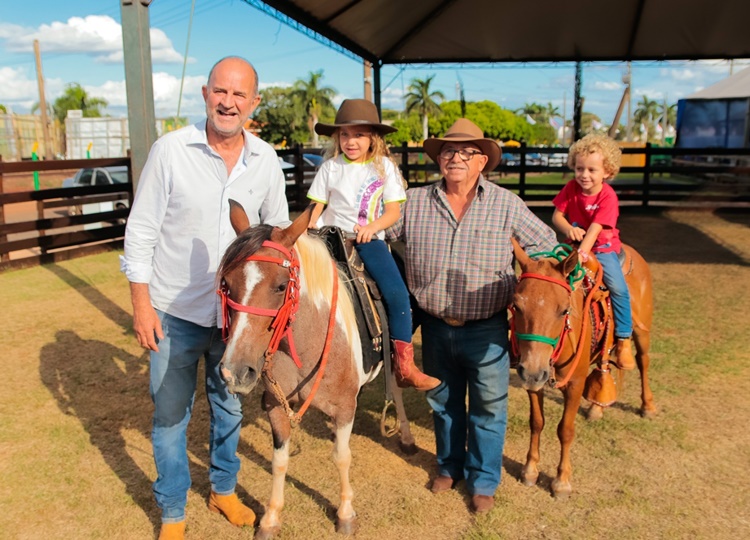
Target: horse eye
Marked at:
281, 288
565, 312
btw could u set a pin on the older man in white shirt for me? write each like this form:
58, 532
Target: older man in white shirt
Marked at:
176, 235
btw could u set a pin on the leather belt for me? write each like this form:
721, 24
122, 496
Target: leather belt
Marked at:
453, 322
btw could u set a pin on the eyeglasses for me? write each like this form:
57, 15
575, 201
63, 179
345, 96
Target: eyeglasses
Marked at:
464, 154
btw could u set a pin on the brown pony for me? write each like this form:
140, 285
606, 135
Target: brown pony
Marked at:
558, 343
290, 322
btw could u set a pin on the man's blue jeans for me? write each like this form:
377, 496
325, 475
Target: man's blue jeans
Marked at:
473, 357
174, 372
618, 293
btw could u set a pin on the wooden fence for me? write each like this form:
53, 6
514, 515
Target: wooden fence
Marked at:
36, 226
662, 177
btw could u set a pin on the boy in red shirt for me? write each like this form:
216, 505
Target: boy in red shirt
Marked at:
586, 211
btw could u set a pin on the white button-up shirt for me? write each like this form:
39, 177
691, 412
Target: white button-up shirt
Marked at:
179, 227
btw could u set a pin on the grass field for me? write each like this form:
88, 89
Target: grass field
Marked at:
75, 415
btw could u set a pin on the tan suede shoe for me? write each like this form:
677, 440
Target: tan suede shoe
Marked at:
231, 508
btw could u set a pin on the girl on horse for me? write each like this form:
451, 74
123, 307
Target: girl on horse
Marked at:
586, 211
361, 188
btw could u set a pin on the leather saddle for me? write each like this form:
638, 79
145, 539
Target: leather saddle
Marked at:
369, 308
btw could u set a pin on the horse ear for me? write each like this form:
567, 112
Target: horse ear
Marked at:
238, 217
290, 234
521, 256
570, 262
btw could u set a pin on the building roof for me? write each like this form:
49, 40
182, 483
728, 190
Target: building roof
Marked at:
432, 31
735, 87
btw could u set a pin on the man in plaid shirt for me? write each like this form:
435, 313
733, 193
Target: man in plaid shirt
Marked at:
459, 267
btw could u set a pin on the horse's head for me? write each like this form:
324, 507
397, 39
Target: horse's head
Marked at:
540, 309
258, 280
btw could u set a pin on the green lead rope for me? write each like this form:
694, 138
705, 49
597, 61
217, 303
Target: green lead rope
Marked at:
561, 252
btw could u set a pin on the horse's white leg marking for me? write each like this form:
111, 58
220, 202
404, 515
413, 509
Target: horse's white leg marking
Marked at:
253, 275
342, 457
279, 466
407, 439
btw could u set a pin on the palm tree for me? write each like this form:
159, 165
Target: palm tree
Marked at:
314, 99
646, 112
75, 97
419, 98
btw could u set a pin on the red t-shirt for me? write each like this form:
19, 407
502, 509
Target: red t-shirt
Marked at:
583, 210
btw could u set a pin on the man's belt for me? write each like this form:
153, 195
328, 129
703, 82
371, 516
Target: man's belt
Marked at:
453, 322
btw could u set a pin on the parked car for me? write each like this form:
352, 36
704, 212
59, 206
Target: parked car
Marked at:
99, 176
310, 163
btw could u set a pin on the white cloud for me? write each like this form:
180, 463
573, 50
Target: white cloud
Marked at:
605, 85
94, 35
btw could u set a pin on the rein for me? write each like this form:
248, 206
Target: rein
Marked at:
282, 324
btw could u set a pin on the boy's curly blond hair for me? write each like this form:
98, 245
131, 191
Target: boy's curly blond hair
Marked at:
593, 143
378, 149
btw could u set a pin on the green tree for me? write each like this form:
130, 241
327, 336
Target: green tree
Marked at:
315, 99
421, 99
281, 117
74, 97
3, 110
645, 113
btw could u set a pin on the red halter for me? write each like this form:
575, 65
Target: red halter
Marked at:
284, 316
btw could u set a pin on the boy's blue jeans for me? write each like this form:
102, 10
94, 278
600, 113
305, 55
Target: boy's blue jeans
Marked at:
472, 357
618, 293
382, 268
174, 372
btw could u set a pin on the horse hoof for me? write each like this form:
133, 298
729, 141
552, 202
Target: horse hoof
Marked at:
561, 491
594, 413
346, 526
649, 413
529, 480
408, 449
266, 534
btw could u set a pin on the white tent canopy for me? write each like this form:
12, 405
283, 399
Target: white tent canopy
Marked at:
736, 86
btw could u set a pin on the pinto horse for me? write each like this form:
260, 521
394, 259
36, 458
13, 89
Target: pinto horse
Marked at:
290, 323
555, 343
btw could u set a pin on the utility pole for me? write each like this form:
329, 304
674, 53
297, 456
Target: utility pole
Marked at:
139, 84
368, 80
565, 116
629, 77
42, 101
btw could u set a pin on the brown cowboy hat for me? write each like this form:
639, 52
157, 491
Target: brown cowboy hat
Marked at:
355, 112
464, 130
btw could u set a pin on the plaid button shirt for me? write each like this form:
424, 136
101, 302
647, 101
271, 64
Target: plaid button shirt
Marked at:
465, 270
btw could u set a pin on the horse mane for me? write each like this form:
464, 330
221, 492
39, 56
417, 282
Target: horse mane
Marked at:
317, 281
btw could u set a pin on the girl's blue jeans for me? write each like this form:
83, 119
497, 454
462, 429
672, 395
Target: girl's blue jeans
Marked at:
174, 371
382, 268
618, 293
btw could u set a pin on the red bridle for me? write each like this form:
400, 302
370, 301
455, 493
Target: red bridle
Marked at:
284, 316
282, 323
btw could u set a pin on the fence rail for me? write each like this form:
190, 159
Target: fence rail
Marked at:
664, 177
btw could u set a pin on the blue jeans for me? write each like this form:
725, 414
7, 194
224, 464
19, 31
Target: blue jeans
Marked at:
382, 268
618, 293
174, 372
473, 356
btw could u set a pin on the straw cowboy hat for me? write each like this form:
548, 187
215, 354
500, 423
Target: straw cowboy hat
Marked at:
355, 112
464, 130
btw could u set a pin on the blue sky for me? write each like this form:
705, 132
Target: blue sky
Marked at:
81, 42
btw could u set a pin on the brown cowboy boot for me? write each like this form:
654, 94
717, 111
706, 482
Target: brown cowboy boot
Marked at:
624, 355
406, 371
231, 508
172, 531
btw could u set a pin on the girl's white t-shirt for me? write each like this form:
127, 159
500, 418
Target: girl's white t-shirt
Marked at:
354, 192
